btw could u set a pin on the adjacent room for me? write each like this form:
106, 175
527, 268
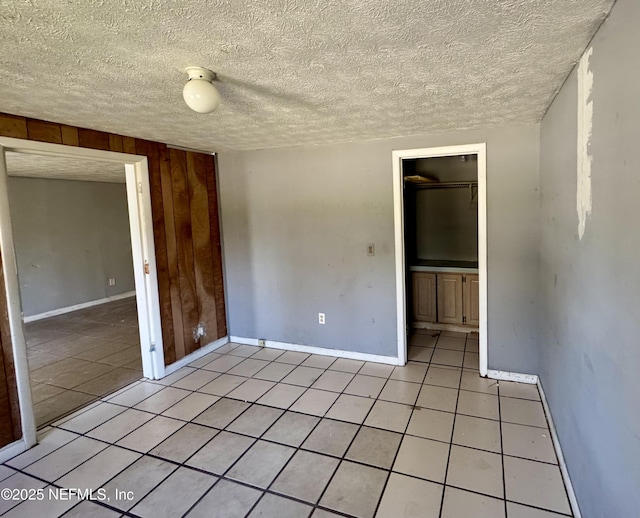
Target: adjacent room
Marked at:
383, 259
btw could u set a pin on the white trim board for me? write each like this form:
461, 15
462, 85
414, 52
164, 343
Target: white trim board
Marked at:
573, 501
531, 379
12, 450
337, 353
76, 307
195, 355
479, 149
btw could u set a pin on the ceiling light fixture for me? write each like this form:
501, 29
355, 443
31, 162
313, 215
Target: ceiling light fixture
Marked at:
199, 93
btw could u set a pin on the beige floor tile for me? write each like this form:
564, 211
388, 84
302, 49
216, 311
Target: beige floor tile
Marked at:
162, 501
305, 476
267, 354
66, 458
422, 458
251, 390
48, 440
219, 454
134, 395
59, 405
260, 465
176, 376
101, 349
122, 358
223, 363
191, 406
274, 371
282, 396
475, 432
438, 398
303, 376
221, 413
207, 358
91, 418
314, 402
255, 420
272, 506
97, 470
410, 497
529, 442
222, 385
365, 386
88, 509
245, 350
162, 400
111, 381
346, 365
119, 426
355, 489
389, 416
431, 424
248, 367
350, 408
414, 372
5, 472
447, 357
521, 511
374, 447
379, 370
321, 513
292, 357
420, 354
472, 345
474, 382
453, 343
226, 500
37, 508
535, 483
477, 404
471, 361
42, 391
521, 411
227, 348
39, 359
195, 380
331, 437
424, 339
334, 381
291, 429
18, 481
400, 392
184, 443
443, 376
150, 434
475, 470
318, 361
463, 504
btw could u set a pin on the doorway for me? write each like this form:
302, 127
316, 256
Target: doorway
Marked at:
402, 160
145, 281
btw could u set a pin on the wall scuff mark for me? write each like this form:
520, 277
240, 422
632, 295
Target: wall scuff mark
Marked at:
585, 127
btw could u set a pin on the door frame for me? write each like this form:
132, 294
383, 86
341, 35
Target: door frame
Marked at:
144, 264
398, 156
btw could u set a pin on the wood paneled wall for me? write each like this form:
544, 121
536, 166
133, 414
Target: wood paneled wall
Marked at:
186, 230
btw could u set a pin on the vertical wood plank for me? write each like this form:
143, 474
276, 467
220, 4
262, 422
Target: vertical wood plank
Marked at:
184, 245
69, 135
13, 126
93, 139
216, 244
202, 254
129, 145
115, 143
44, 131
172, 256
152, 151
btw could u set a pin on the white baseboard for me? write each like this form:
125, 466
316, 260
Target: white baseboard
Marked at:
76, 307
573, 501
351, 355
11, 450
195, 355
531, 379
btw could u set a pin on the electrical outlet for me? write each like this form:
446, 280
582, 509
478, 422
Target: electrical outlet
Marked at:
262, 342
112, 282
321, 319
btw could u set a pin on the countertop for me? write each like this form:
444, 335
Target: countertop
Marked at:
437, 265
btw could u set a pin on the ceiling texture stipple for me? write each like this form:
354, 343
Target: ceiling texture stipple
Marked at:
291, 72
60, 168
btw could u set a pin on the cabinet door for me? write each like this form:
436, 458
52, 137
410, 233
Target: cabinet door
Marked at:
471, 295
424, 297
450, 298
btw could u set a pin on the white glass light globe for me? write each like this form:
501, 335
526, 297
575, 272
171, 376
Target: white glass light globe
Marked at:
200, 95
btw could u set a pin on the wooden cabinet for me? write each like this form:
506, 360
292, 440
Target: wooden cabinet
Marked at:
424, 297
446, 298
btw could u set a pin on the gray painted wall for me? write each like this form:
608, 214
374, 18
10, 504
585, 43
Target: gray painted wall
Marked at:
590, 303
296, 223
70, 238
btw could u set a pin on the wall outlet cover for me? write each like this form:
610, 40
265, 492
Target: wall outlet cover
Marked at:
262, 342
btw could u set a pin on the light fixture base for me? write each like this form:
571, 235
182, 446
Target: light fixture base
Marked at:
200, 73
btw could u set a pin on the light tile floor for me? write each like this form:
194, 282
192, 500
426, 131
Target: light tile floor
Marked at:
301, 436
81, 356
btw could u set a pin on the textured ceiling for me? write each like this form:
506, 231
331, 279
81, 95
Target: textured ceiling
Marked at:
292, 72
58, 168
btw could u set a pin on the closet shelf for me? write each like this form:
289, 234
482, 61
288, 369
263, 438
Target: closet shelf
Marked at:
446, 185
